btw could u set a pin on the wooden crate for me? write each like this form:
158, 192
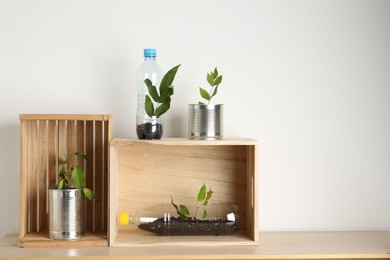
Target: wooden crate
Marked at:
45, 140
145, 174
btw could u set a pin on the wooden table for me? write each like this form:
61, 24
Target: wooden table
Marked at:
272, 245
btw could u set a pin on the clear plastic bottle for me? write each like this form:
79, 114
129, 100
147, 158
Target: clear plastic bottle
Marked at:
167, 225
148, 127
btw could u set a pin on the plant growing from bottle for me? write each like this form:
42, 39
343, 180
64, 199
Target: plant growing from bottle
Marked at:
72, 176
157, 103
162, 98
201, 203
187, 224
214, 79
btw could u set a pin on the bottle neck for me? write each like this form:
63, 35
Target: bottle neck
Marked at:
150, 58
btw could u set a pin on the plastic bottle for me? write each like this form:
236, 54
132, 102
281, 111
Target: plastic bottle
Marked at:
148, 127
166, 225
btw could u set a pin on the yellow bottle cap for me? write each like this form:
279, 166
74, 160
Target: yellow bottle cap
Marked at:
124, 218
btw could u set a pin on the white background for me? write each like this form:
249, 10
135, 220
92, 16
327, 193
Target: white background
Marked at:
309, 79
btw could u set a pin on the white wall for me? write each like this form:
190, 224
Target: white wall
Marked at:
309, 79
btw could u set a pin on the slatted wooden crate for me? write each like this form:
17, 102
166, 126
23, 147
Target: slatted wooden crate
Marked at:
46, 140
145, 174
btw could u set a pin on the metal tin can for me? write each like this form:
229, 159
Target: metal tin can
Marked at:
205, 122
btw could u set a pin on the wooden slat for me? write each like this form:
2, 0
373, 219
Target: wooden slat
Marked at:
71, 139
105, 173
80, 141
64, 117
182, 141
52, 150
113, 195
62, 143
23, 179
89, 149
98, 181
42, 176
32, 175
251, 193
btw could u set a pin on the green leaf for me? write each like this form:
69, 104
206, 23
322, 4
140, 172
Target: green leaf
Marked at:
218, 80
153, 93
210, 79
78, 177
149, 107
204, 94
148, 83
184, 210
178, 210
204, 216
165, 99
162, 108
214, 92
62, 173
62, 184
202, 193
208, 197
88, 193
215, 74
167, 92
168, 78
201, 103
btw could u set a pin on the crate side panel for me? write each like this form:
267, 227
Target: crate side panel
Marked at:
23, 207
105, 171
251, 193
113, 195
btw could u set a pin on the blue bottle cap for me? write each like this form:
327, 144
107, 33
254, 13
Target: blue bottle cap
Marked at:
150, 53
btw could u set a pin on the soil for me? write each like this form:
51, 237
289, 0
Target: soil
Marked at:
149, 131
181, 226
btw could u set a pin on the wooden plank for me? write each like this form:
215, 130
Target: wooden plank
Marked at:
251, 193
42, 225
183, 141
98, 178
41, 240
80, 141
71, 139
23, 223
113, 195
64, 117
273, 245
62, 142
52, 150
105, 173
89, 172
32, 175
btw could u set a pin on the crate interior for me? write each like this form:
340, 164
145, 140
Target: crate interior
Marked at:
46, 140
146, 174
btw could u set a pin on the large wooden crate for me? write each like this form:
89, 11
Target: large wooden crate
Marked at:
46, 140
145, 174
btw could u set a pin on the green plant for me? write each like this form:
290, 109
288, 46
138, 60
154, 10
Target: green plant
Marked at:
202, 201
214, 79
161, 97
73, 176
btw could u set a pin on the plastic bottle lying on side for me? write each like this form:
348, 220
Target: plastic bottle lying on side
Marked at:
168, 225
